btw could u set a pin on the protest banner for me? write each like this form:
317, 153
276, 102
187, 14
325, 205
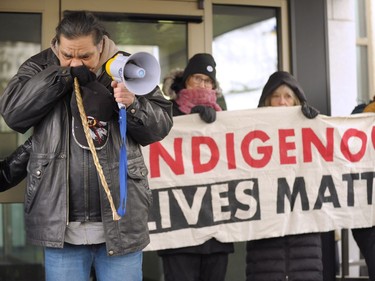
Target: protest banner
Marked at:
260, 173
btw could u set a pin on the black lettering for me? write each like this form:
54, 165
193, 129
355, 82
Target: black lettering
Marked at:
283, 191
350, 178
200, 206
327, 183
369, 177
247, 196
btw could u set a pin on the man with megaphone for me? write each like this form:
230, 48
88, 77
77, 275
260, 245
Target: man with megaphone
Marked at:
73, 179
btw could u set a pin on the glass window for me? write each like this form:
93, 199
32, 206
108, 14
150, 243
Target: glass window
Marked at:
245, 47
20, 38
363, 69
165, 39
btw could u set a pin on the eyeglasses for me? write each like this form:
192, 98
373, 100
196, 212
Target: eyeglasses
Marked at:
197, 79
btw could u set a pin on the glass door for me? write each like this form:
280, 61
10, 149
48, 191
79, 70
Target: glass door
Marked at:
163, 37
19, 39
166, 39
246, 43
245, 46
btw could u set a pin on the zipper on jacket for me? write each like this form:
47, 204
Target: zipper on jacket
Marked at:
86, 183
287, 257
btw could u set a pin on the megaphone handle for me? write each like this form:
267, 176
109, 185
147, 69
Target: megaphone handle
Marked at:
120, 105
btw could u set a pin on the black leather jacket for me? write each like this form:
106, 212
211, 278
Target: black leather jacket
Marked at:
35, 97
13, 167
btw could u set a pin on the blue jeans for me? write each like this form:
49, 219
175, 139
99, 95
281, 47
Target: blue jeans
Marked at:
74, 262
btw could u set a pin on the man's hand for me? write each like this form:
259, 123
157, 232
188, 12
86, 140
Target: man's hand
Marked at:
83, 74
121, 94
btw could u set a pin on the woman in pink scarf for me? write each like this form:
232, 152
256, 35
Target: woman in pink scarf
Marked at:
195, 90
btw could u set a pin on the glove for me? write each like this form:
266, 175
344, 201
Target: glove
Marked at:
83, 74
206, 113
13, 167
309, 111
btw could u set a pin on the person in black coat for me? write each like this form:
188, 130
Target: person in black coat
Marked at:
291, 257
365, 237
195, 90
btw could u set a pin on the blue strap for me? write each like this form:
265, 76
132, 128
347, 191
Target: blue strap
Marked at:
123, 169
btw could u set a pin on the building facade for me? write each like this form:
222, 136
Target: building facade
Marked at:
326, 44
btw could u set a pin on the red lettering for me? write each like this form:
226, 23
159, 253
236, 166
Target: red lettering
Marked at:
286, 146
309, 138
198, 166
256, 153
266, 151
344, 146
158, 151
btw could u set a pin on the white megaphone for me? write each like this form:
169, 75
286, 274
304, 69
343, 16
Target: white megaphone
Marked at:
139, 72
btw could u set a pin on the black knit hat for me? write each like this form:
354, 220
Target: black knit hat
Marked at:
200, 63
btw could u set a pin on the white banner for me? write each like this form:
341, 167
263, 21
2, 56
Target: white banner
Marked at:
260, 173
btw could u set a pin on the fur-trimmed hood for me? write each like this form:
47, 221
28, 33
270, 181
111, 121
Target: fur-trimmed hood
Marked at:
172, 84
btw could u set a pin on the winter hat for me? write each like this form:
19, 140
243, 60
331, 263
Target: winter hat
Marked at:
202, 63
100, 107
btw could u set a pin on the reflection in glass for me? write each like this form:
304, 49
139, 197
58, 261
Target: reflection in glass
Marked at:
245, 49
166, 40
20, 38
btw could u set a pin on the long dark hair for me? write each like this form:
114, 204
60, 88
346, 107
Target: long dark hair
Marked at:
80, 23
